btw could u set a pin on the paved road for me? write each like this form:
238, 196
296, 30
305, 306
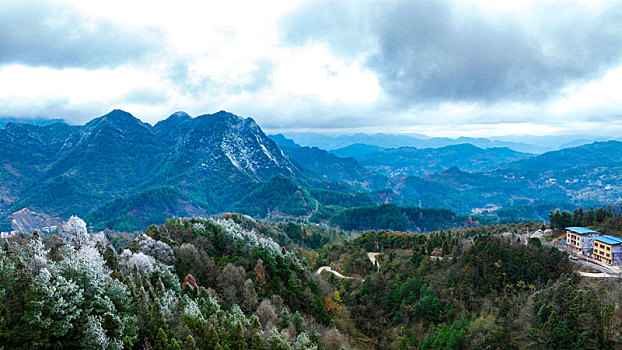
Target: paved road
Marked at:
596, 266
329, 269
597, 275
372, 258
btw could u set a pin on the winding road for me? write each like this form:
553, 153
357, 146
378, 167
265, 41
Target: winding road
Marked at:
329, 269
371, 256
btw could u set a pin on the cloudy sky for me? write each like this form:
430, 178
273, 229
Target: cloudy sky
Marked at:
442, 68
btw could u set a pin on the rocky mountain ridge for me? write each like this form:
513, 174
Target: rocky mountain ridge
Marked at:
63, 170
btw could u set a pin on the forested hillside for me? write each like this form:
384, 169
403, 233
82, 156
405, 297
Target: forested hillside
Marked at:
191, 284
232, 282
470, 290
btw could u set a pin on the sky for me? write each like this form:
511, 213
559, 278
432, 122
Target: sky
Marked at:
440, 68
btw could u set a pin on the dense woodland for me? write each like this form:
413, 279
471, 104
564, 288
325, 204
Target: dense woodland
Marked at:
471, 290
392, 217
204, 284
232, 283
605, 220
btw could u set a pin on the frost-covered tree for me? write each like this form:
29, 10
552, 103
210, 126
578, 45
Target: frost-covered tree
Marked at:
140, 262
279, 340
157, 249
45, 306
304, 343
95, 336
104, 297
74, 231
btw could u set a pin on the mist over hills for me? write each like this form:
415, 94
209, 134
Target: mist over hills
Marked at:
121, 173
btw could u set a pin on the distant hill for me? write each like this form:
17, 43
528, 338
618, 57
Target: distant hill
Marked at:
278, 196
553, 142
328, 166
142, 209
411, 161
589, 175
33, 121
283, 141
597, 154
356, 150
329, 142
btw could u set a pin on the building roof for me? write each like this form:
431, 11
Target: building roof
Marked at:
580, 230
608, 239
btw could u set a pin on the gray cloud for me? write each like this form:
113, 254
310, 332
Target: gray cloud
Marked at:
345, 25
179, 74
427, 51
38, 33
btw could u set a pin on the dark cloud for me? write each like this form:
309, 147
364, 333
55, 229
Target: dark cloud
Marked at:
435, 51
37, 33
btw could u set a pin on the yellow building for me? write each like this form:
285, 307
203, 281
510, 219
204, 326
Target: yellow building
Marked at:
608, 249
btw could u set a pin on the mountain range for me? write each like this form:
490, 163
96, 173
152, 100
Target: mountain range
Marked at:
329, 142
412, 161
472, 180
118, 172
521, 143
196, 165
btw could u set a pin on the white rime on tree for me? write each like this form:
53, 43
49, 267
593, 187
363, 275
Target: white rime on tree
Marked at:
154, 248
74, 231
129, 261
95, 335
304, 343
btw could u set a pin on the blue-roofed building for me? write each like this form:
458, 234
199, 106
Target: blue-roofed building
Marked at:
581, 230
608, 249
580, 239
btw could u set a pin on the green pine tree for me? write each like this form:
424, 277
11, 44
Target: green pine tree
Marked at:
161, 341
257, 342
190, 343
238, 339
213, 339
